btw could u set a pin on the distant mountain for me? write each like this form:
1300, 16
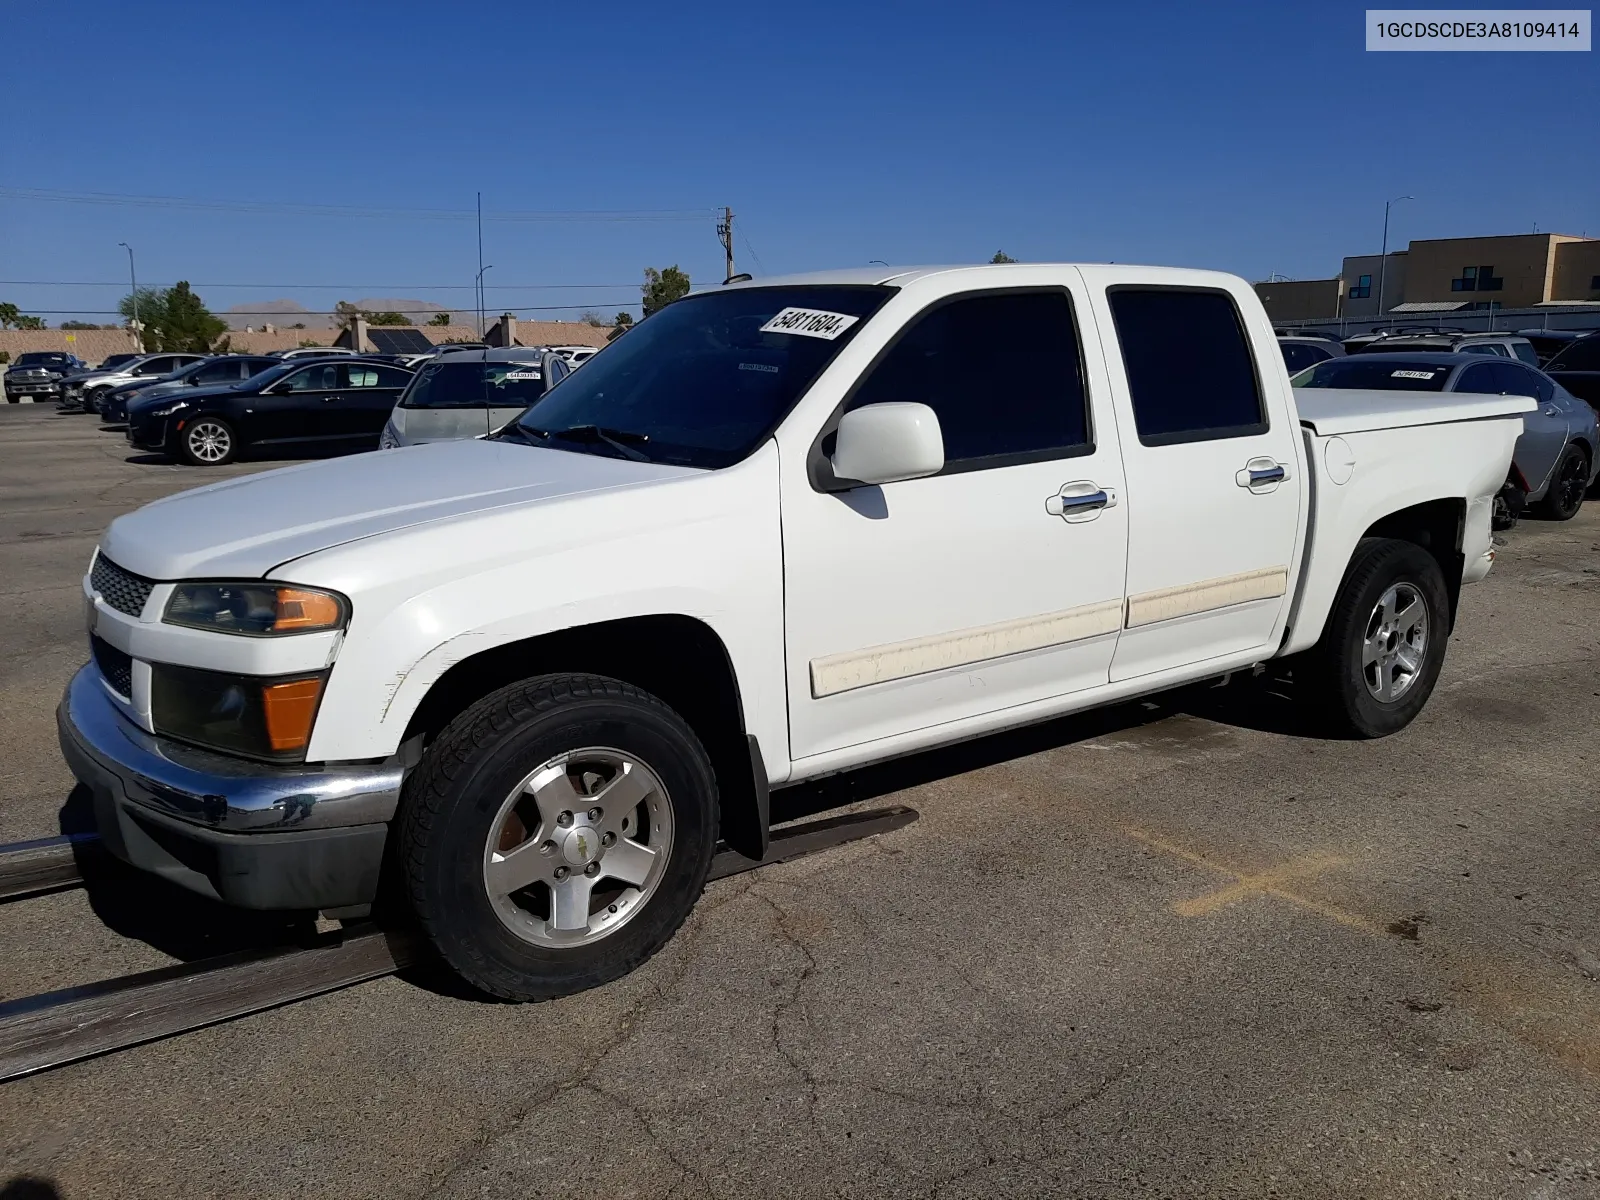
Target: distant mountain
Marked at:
284, 313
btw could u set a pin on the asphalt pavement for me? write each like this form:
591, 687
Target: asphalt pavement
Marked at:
1179, 948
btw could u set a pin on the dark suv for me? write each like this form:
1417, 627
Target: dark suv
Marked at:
37, 375
1577, 368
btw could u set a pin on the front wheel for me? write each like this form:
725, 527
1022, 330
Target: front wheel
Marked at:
557, 834
1568, 484
208, 442
1383, 647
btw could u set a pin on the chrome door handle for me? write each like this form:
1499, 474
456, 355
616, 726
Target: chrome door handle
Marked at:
1080, 501
1262, 475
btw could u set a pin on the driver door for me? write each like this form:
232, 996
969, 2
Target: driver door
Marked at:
291, 410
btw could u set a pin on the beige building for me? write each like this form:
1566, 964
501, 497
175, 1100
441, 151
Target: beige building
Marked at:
1364, 275
1300, 299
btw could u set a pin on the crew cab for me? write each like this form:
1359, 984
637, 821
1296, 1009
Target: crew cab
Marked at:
783, 528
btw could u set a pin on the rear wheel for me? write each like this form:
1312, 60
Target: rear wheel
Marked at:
208, 442
1384, 643
1568, 484
557, 833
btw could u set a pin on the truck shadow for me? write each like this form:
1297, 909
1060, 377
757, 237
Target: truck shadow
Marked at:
188, 926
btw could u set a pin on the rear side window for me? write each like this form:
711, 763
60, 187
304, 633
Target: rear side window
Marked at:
1189, 367
1297, 356
1026, 404
1526, 352
1481, 380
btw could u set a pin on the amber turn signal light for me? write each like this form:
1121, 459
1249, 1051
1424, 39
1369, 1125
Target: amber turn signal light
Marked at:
298, 609
289, 709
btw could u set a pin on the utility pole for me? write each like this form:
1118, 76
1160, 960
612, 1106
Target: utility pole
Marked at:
725, 236
133, 287
1383, 255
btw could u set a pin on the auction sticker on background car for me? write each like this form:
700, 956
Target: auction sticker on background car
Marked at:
809, 322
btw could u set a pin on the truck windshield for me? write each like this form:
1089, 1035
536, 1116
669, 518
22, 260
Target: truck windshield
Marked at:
704, 381
1383, 375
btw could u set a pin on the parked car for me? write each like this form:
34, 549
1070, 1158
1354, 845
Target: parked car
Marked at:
208, 372
1505, 345
37, 375
85, 393
576, 355
72, 385
1300, 352
1547, 343
312, 352
1554, 463
470, 394
331, 404
1577, 368
779, 530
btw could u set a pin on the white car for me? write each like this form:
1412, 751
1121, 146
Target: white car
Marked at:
781, 530
576, 354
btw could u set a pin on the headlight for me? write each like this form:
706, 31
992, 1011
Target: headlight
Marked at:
241, 714
166, 410
255, 609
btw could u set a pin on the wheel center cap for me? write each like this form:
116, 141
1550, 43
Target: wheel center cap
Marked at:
580, 846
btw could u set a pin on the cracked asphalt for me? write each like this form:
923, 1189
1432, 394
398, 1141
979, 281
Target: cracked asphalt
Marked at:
1179, 948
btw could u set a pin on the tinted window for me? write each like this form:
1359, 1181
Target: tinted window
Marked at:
1580, 356
155, 366
1479, 379
1298, 355
1027, 400
1188, 363
1526, 352
324, 377
708, 378
1512, 380
1359, 372
41, 358
474, 384
220, 372
393, 377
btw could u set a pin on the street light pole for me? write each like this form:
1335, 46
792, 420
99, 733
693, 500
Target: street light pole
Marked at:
481, 270
1383, 255
133, 284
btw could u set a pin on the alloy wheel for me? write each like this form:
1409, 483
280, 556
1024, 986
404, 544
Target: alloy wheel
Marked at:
209, 441
1396, 642
578, 847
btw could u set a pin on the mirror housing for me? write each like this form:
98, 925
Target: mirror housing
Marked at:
280, 388
885, 443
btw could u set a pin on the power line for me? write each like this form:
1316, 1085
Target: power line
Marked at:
312, 312
344, 210
335, 287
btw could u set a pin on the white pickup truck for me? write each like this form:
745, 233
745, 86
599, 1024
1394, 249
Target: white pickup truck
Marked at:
781, 529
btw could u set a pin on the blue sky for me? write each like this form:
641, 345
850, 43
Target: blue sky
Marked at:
1252, 137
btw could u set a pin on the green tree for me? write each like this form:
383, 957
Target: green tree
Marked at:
388, 318
174, 319
26, 322
308, 343
1000, 256
661, 288
440, 319
623, 323
80, 325
591, 318
10, 314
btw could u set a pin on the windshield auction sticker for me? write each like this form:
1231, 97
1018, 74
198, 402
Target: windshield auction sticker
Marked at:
809, 322
1478, 29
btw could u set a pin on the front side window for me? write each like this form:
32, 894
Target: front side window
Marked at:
704, 381
324, 377
362, 377
218, 372
1189, 367
1026, 403
1526, 352
154, 366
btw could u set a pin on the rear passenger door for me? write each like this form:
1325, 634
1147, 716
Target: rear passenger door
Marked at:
1215, 501
357, 410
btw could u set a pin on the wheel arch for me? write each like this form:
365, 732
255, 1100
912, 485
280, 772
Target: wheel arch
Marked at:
1437, 526
679, 659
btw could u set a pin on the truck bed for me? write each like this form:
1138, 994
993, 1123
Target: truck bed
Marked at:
1330, 411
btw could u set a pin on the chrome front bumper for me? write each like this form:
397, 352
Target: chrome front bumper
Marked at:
251, 834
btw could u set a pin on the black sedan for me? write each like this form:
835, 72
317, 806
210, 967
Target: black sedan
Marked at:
215, 372
307, 405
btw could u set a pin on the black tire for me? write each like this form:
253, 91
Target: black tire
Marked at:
198, 446
1333, 670
451, 804
1568, 484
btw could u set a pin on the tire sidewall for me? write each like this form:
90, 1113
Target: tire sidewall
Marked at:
1553, 505
1399, 563
454, 897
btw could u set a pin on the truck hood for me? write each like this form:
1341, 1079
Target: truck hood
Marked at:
243, 528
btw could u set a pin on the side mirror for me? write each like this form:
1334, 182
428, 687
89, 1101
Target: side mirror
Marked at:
885, 443
279, 389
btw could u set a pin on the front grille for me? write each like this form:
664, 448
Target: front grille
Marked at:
116, 666
122, 590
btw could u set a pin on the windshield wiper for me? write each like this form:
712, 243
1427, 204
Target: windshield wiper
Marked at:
617, 439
